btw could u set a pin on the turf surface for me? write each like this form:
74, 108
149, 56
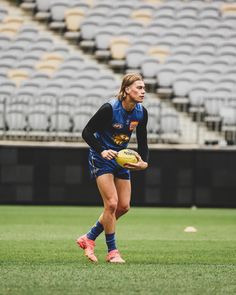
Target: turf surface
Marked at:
38, 254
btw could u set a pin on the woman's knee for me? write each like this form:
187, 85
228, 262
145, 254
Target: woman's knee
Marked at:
111, 206
123, 209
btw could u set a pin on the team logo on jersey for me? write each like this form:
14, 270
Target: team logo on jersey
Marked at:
117, 125
133, 125
120, 138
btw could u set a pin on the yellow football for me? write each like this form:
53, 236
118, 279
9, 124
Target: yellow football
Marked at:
126, 156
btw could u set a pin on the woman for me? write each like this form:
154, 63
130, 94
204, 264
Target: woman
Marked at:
107, 132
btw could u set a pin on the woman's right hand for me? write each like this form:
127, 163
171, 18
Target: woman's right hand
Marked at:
109, 154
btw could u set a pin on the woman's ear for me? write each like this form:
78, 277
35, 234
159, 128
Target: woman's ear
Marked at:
127, 89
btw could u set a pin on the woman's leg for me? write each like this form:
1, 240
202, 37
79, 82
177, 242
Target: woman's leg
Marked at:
109, 195
108, 191
123, 188
106, 221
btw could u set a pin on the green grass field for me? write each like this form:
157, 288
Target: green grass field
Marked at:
38, 254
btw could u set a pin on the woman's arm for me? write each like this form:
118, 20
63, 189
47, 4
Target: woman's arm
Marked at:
142, 154
98, 122
141, 134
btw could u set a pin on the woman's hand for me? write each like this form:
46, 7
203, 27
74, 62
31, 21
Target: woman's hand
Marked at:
109, 154
140, 165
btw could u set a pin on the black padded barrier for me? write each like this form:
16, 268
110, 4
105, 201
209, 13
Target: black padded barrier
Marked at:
175, 177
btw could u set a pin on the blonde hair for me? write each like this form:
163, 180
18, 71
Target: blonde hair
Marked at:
128, 80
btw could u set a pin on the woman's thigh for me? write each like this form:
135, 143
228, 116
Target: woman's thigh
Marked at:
123, 188
107, 188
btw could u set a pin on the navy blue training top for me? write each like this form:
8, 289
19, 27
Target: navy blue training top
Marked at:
111, 128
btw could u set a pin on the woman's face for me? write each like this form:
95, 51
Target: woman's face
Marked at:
136, 91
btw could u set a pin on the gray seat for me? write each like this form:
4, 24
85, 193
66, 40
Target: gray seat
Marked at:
24, 96
196, 99
65, 106
102, 42
57, 13
88, 28
31, 86
181, 86
134, 56
166, 76
54, 87
38, 121
209, 12
5, 41
170, 127
164, 11
42, 9
62, 78
28, 31
186, 11
149, 67
103, 7
74, 90
40, 78
60, 122
3, 13
213, 103
228, 117
16, 120
46, 97
80, 119
7, 60
153, 105
147, 36
85, 79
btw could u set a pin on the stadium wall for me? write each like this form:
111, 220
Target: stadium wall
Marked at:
175, 177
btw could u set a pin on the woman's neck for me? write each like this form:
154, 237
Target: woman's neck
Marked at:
128, 105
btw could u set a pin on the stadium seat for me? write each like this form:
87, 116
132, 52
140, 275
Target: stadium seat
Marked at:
18, 76
88, 29
4, 42
134, 57
142, 16
118, 47
57, 14
80, 119
3, 13
60, 122
228, 117
38, 122
73, 18
169, 127
102, 42
16, 122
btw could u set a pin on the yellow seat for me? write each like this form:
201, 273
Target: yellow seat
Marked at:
11, 24
90, 2
153, 1
17, 76
13, 20
53, 56
73, 18
8, 30
159, 52
47, 67
118, 47
228, 8
143, 16
49, 62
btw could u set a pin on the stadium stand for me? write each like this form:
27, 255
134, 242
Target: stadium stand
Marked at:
184, 49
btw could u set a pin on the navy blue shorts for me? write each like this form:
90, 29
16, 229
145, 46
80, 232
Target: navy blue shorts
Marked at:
99, 166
